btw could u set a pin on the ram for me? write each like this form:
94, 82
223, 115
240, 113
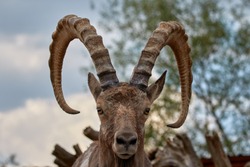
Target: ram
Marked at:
122, 107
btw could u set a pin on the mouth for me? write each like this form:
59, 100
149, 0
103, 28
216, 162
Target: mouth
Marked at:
124, 156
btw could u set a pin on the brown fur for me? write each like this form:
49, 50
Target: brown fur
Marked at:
123, 108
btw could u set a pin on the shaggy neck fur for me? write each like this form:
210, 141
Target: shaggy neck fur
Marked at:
107, 158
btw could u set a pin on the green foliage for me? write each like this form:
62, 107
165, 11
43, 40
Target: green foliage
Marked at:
219, 38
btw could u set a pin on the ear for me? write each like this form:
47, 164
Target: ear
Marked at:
154, 90
94, 86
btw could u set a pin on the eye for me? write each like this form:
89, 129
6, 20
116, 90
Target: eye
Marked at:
146, 111
99, 110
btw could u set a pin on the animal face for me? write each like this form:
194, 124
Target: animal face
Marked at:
123, 111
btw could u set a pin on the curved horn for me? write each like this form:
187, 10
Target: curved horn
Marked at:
173, 34
69, 28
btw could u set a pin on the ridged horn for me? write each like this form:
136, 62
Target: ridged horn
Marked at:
69, 28
173, 34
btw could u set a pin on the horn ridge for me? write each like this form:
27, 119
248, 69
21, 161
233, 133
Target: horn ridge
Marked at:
173, 34
69, 28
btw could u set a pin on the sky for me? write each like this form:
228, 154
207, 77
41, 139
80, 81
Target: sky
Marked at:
31, 122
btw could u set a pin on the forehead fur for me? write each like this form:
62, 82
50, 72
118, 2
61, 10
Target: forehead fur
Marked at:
124, 93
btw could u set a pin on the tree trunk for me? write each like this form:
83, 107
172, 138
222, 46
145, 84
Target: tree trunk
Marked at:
219, 157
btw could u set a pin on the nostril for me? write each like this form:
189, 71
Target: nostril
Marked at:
120, 140
133, 141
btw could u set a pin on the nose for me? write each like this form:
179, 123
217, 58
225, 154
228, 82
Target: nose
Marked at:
126, 139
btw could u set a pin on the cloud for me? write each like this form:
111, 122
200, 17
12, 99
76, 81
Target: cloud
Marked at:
32, 130
21, 54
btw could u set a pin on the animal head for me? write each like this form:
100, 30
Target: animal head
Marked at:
122, 107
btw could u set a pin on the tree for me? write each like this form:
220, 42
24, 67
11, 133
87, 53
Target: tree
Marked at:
218, 35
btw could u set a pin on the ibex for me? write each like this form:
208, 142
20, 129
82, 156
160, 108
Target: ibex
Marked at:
122, 107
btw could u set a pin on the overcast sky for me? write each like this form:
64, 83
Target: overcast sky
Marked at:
30, 120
